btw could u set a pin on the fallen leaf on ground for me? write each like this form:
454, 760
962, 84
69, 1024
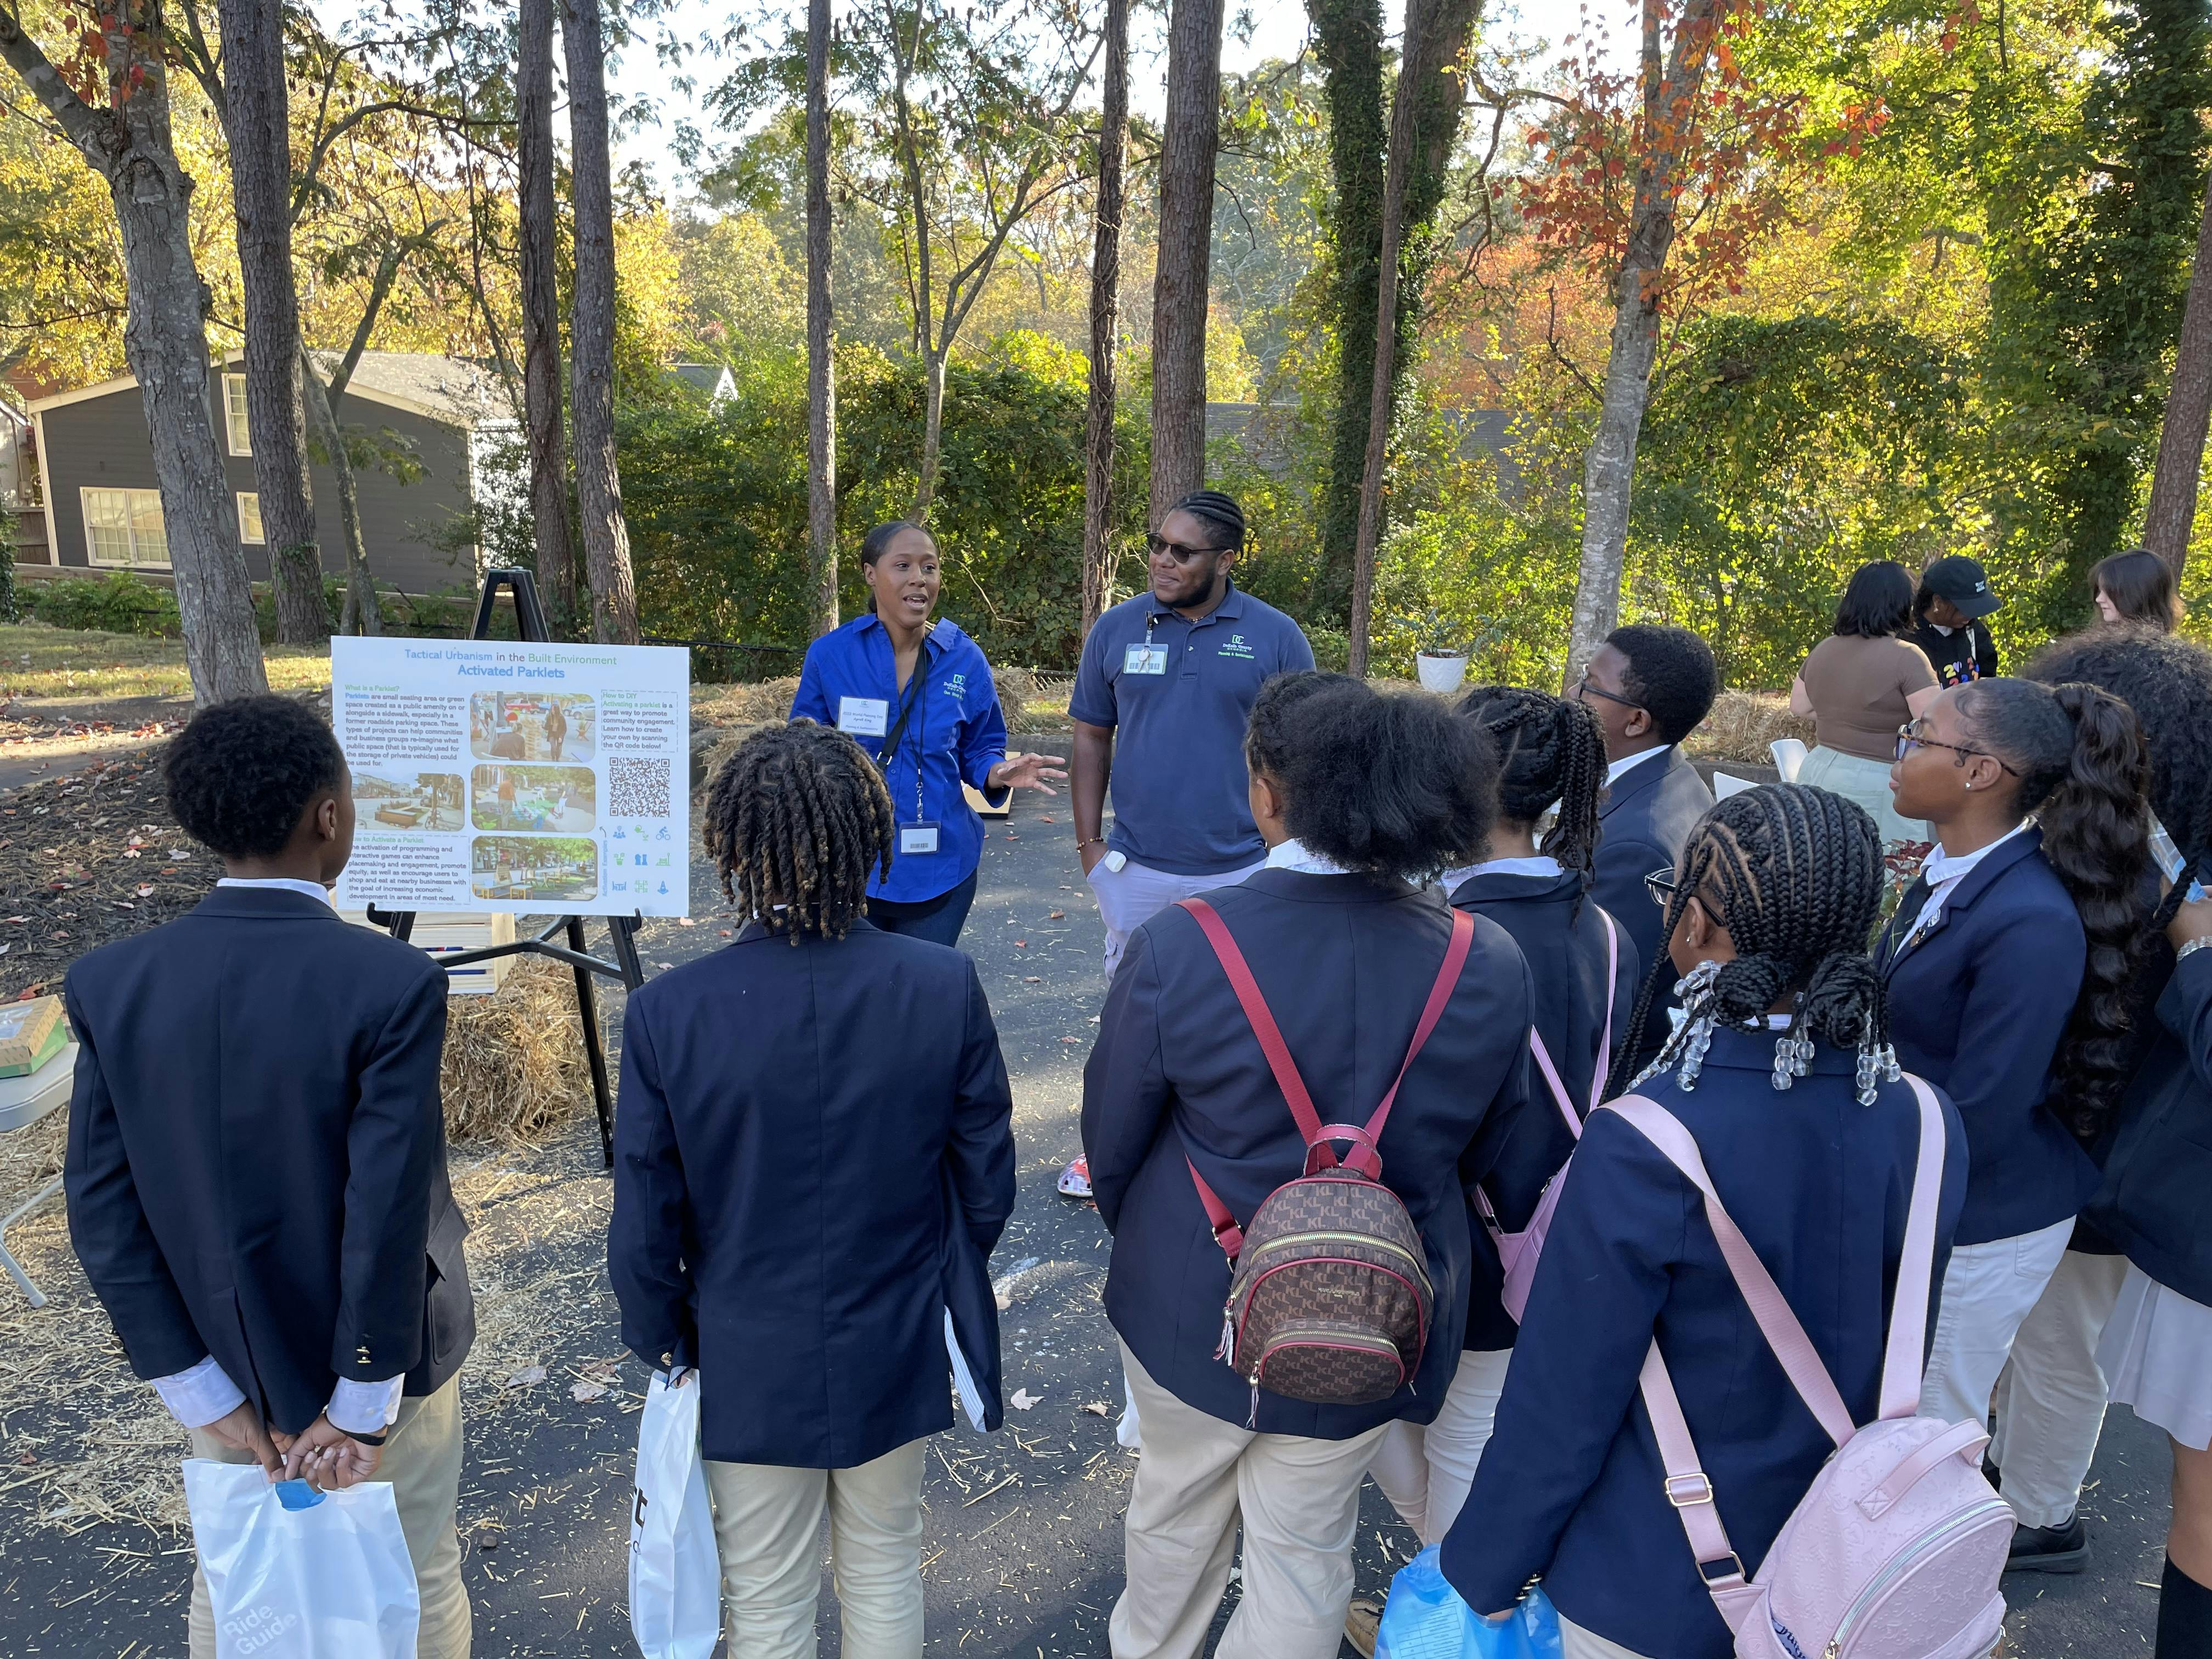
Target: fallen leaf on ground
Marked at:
1020, 945
587, 1388
1024, 1400
526, 1377
1098, 1408
1057, 915
1027, 979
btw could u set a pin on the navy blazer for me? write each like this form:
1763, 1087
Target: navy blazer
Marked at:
1570, 1485
1978, 1007
1346, 963
2151, 1204
814, 1158
1644, 818
257, 1152
1562, 938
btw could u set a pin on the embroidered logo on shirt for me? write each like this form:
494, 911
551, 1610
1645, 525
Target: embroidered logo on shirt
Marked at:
956, 685
1235, 646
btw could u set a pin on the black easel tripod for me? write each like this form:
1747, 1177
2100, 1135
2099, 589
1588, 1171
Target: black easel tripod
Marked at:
622, 931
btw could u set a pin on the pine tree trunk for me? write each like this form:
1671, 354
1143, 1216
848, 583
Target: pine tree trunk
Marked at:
592, 330
1609, 468
360, 613
1182, 284
1348, 39
2171, 513
1105, 321
821, 332
128, 144
275, 417
541, 320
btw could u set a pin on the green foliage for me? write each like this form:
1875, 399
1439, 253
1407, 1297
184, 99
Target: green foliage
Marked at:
716, 501
117, 603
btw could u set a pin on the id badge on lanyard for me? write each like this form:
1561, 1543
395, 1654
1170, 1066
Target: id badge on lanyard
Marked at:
1145, 659
919, 837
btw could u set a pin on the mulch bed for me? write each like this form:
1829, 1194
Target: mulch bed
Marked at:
87, 858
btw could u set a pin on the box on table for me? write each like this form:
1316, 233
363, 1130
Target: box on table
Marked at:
448, 932
31, 1033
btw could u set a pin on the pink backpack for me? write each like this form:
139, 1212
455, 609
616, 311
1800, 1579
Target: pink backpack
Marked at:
1517, 1252
1896, 1546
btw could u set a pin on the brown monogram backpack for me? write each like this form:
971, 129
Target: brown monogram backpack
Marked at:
1329, 1294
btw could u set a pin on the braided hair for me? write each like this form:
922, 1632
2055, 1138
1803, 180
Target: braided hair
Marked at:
1218, 512
2085, 773
1548, 750
1794, 874
797, 821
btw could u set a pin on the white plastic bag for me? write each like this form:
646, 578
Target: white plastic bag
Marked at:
293, 1573
675, 1571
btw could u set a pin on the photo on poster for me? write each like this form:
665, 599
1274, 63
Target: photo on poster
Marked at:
563, 867
532, 725
564, 800
399, 799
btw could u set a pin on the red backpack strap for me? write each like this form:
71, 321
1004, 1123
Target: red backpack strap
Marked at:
1366, 1159
1262, 1021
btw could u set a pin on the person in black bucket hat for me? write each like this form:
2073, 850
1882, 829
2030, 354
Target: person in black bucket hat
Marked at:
1948, 620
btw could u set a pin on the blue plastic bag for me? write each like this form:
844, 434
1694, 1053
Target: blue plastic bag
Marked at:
1425, 1619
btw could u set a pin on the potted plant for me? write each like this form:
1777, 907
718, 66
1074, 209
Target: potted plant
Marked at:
1441, 665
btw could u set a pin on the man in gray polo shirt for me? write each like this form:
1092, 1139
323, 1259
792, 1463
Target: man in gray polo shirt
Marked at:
1161, 699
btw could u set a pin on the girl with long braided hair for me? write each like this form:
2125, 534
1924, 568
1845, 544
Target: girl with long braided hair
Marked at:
2131, 1306
2011, 964
814, 1156
1780, 1073
1583, 970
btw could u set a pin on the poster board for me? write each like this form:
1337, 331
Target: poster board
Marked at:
518, 776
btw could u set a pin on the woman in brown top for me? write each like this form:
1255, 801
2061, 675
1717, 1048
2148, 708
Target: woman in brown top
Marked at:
1859, 685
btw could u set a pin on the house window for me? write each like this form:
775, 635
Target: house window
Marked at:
249, 517
124, 527
234, 414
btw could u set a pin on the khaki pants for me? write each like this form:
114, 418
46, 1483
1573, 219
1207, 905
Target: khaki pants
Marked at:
422, 1461
1297, 1502
767, 1520
1575, 1643
1989, 1289
1425, 1470
2050, 1398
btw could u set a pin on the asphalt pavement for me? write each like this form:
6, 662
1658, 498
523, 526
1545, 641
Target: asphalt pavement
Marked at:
1023, 1552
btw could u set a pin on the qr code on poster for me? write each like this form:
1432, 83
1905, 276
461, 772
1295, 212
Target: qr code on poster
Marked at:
639, 787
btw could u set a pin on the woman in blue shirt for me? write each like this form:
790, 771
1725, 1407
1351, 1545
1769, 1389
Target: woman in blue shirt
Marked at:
917, 696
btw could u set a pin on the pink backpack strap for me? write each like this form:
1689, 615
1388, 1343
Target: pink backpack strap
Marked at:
1552, 1080
1262, 1020
1905, 1357
1691, 1493
1800, 1361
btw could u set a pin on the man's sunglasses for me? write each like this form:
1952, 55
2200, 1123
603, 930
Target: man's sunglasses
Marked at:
1158, 543
1586, 687
1910, 736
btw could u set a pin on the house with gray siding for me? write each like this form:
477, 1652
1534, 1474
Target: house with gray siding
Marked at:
437, 423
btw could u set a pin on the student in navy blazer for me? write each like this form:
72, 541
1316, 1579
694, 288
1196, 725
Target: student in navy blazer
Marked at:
814, 1158
2010, 963
1649, 686
1816, 1175
1354, 793
1551, 753
257, 1155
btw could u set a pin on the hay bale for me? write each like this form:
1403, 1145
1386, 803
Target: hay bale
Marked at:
754, 704
1743, 723
516, 1070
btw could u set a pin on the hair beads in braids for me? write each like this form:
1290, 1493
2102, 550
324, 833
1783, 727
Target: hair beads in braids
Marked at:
1794, 873
797, 819
1548, 750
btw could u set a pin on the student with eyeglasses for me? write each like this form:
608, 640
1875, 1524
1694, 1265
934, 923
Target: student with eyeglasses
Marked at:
1649, 687
2010, 962
1166, 685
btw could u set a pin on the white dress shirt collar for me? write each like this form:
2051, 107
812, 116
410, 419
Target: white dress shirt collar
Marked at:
314, 890
1540, 866
1943, 872
1293, 855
